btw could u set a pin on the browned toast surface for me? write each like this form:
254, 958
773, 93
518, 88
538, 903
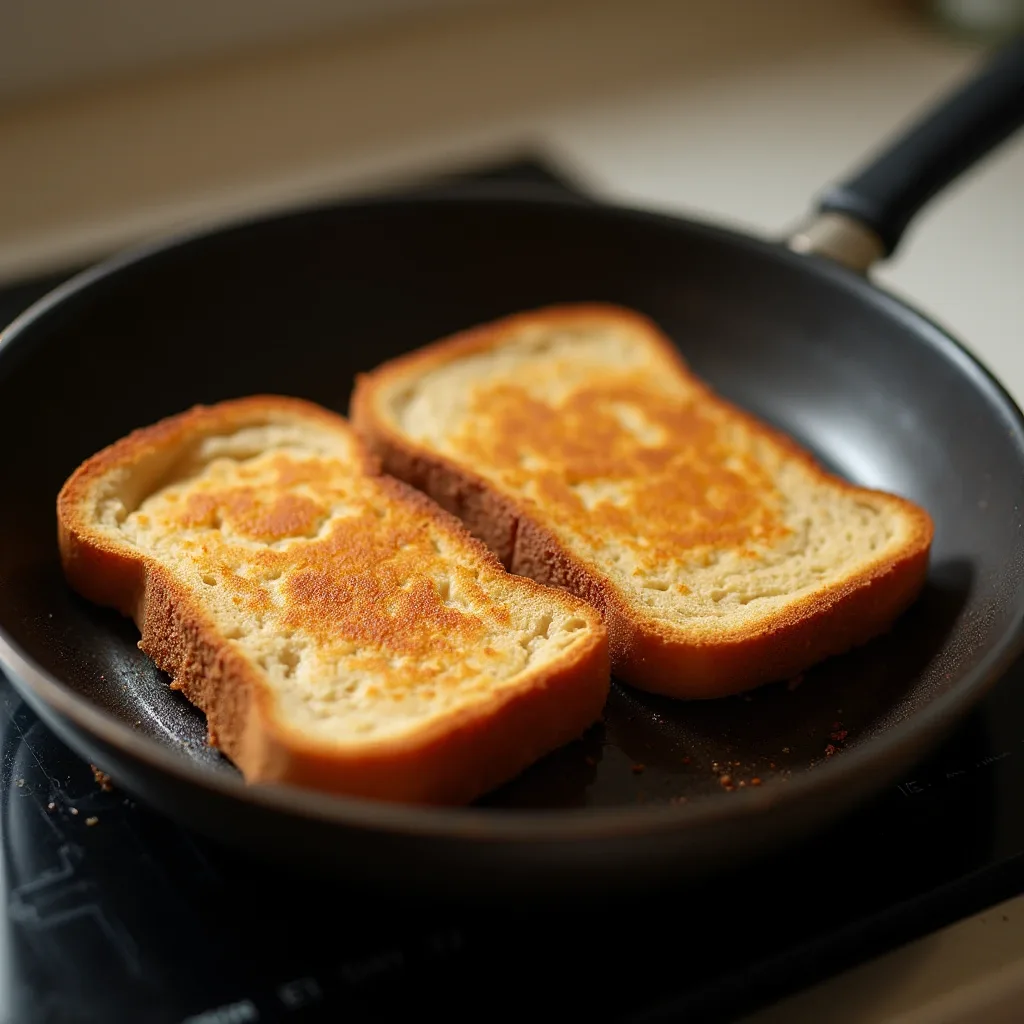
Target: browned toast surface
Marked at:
577, 444
338, 628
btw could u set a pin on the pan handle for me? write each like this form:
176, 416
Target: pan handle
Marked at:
861, 220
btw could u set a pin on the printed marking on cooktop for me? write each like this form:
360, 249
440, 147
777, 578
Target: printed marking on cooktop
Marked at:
242, 1012
300, 992
369, 970
446, 942
914, 787
372, 969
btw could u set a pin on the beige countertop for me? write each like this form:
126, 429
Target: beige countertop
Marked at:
969, 973
737, 111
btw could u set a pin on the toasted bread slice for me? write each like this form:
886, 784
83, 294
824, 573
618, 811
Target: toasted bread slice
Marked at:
339, 630
575, 442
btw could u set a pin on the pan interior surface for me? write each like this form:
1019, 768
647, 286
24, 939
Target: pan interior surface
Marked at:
300, 304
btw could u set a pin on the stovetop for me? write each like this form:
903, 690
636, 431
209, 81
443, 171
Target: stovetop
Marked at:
116, 914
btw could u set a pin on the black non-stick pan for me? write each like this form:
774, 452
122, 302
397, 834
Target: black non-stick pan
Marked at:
299, 303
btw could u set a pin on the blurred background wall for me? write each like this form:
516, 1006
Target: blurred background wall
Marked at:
46, 44
123, 120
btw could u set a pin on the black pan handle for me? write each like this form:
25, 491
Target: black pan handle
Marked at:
862, 219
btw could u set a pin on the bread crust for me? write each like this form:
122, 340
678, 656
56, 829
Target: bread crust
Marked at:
648, 653
451, 760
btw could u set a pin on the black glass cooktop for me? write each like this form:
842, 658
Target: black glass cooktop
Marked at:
114, 914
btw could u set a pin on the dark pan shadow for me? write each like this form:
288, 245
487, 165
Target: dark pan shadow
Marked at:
94, 652
652, 749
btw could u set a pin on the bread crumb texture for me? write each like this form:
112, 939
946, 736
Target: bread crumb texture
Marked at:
692, 510
368, 617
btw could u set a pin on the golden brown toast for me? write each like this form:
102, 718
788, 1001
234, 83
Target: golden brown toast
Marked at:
339, 630
576, 443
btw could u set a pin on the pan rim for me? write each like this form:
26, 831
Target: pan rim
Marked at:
492, 824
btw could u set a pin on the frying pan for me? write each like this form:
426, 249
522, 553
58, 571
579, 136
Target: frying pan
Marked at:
298, 303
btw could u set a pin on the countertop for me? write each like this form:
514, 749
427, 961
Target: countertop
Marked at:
738, 111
